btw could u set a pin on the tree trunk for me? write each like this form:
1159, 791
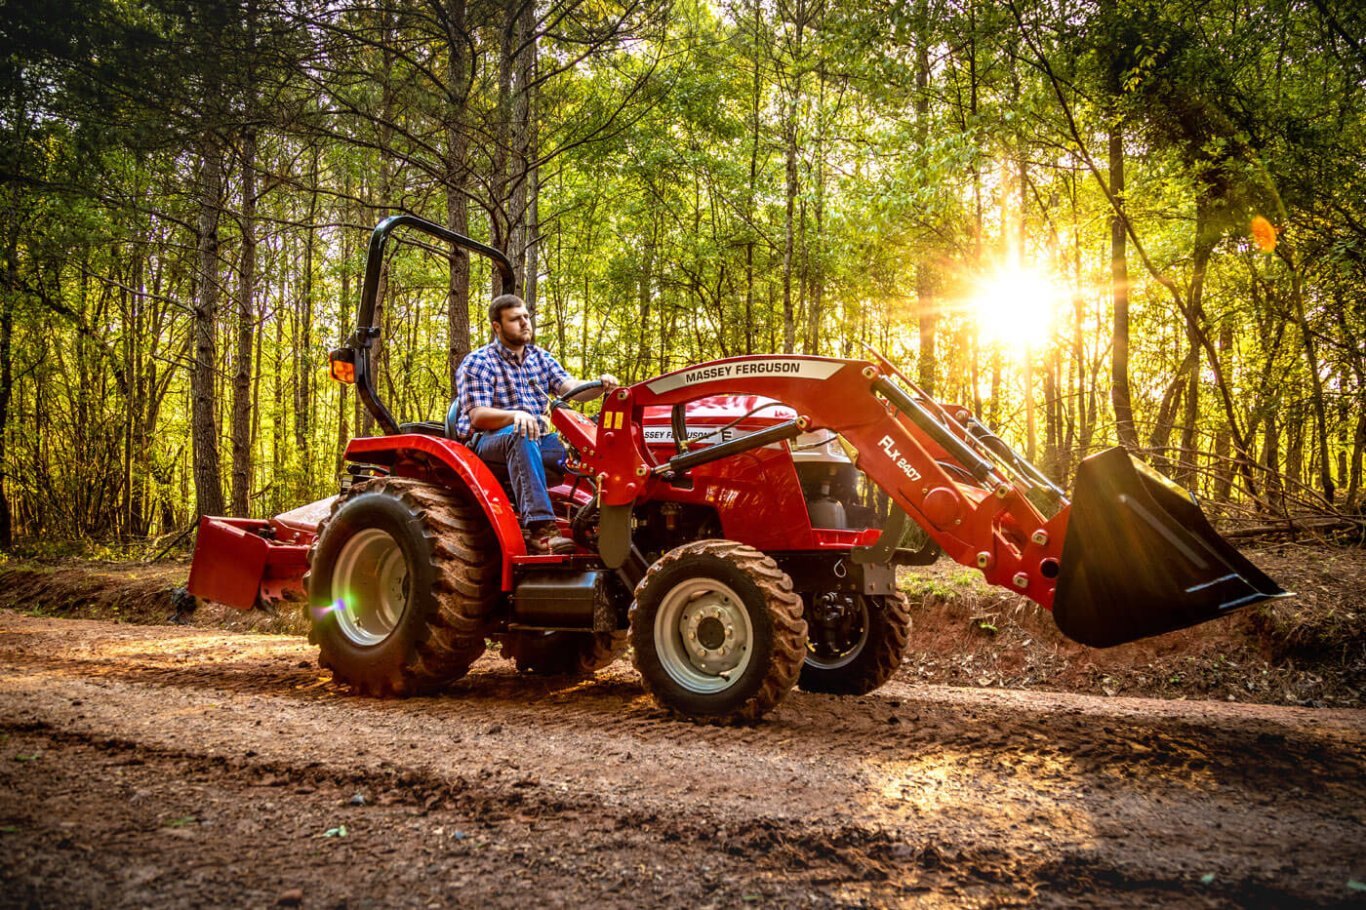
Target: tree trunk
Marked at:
303, 353
1119, 297
1315, 380
1223, 441
927, 307
6, 389
756, 95
510, 164
927, 317
246, 335
1206, 238
457, 200
204, 402
789, 227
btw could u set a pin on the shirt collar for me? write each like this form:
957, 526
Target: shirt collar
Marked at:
507, 354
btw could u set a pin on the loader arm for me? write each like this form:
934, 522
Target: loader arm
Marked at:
979, 520
1160, 566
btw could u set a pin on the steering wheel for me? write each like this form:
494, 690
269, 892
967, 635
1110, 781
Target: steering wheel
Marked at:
568, 397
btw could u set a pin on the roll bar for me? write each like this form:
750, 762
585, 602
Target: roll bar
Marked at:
357, 350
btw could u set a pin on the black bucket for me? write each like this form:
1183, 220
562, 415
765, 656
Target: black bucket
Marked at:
1141, 559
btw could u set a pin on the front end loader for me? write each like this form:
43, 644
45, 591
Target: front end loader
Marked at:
720, 534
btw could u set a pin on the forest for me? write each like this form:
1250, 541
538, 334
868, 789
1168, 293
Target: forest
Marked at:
1093, 222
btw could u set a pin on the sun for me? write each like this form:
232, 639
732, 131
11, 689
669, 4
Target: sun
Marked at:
1015, 306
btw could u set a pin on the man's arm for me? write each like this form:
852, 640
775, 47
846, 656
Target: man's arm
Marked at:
488, 418
609, 382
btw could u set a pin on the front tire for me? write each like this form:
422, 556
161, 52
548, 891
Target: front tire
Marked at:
402, 578
718, 634
857, 642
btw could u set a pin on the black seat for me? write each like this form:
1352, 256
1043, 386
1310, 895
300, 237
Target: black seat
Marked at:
425, 428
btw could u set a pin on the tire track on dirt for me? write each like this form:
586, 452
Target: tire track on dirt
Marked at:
878, 726
910, 788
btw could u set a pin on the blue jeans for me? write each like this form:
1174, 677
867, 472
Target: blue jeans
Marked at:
526, 461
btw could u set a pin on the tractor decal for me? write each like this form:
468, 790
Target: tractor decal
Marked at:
789, 367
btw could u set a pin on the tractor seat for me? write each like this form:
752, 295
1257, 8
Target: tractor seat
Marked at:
425, 428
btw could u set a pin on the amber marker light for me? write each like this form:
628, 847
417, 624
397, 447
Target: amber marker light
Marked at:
342, 366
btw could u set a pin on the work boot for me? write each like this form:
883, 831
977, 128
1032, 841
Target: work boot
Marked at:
544, 537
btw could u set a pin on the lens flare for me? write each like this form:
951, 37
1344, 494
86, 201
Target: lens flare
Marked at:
1014, 307
1263, 234
319, 613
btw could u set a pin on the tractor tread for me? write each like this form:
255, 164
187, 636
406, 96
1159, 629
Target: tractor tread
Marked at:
882, 656
464, 590
785, 612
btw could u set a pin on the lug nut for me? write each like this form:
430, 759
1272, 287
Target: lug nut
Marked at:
1021, 580
1040, 538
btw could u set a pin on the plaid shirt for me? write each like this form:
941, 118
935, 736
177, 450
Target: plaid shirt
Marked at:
493, 377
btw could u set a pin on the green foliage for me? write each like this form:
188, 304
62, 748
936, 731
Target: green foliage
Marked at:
692, 166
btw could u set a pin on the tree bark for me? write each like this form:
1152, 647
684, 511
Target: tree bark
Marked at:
1315, 380
1120, 395
789, 227
6, 390
204, 401
303, 353
457, 183
246, 336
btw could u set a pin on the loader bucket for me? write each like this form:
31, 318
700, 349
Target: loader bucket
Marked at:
1140, 558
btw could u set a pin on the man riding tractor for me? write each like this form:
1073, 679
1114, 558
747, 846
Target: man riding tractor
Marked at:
502, 391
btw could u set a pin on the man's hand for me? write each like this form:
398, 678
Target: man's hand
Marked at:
609, 382
526, 425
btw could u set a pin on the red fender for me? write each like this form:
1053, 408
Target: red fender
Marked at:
413, 455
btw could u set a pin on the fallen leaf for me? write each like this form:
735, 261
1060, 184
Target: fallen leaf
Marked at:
181, 822
33, 757
339, 831
1354, 885
1207, 878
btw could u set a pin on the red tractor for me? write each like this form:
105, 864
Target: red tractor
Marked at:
720, 535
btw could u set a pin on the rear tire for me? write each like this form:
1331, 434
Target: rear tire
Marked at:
717, 632
856, 649
564, 653
402, 579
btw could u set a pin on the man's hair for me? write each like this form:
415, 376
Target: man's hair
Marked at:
503, 302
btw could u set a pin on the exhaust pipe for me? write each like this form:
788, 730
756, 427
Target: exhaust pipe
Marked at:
1140, 558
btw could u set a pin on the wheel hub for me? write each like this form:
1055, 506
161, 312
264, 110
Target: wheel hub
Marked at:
703, 635
839, 630
711, 633
369, 587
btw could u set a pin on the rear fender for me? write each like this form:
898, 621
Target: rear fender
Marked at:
423, 456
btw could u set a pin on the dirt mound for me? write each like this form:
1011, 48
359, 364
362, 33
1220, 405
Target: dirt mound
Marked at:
143, 593
1305, 650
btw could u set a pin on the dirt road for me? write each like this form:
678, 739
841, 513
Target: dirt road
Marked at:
160, 766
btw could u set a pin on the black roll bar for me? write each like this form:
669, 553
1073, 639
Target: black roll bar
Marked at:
366, 331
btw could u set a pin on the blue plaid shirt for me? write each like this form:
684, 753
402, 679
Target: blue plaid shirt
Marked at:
493, 377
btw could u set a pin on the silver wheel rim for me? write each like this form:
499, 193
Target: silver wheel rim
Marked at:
703, 635
842, 660
369, 587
